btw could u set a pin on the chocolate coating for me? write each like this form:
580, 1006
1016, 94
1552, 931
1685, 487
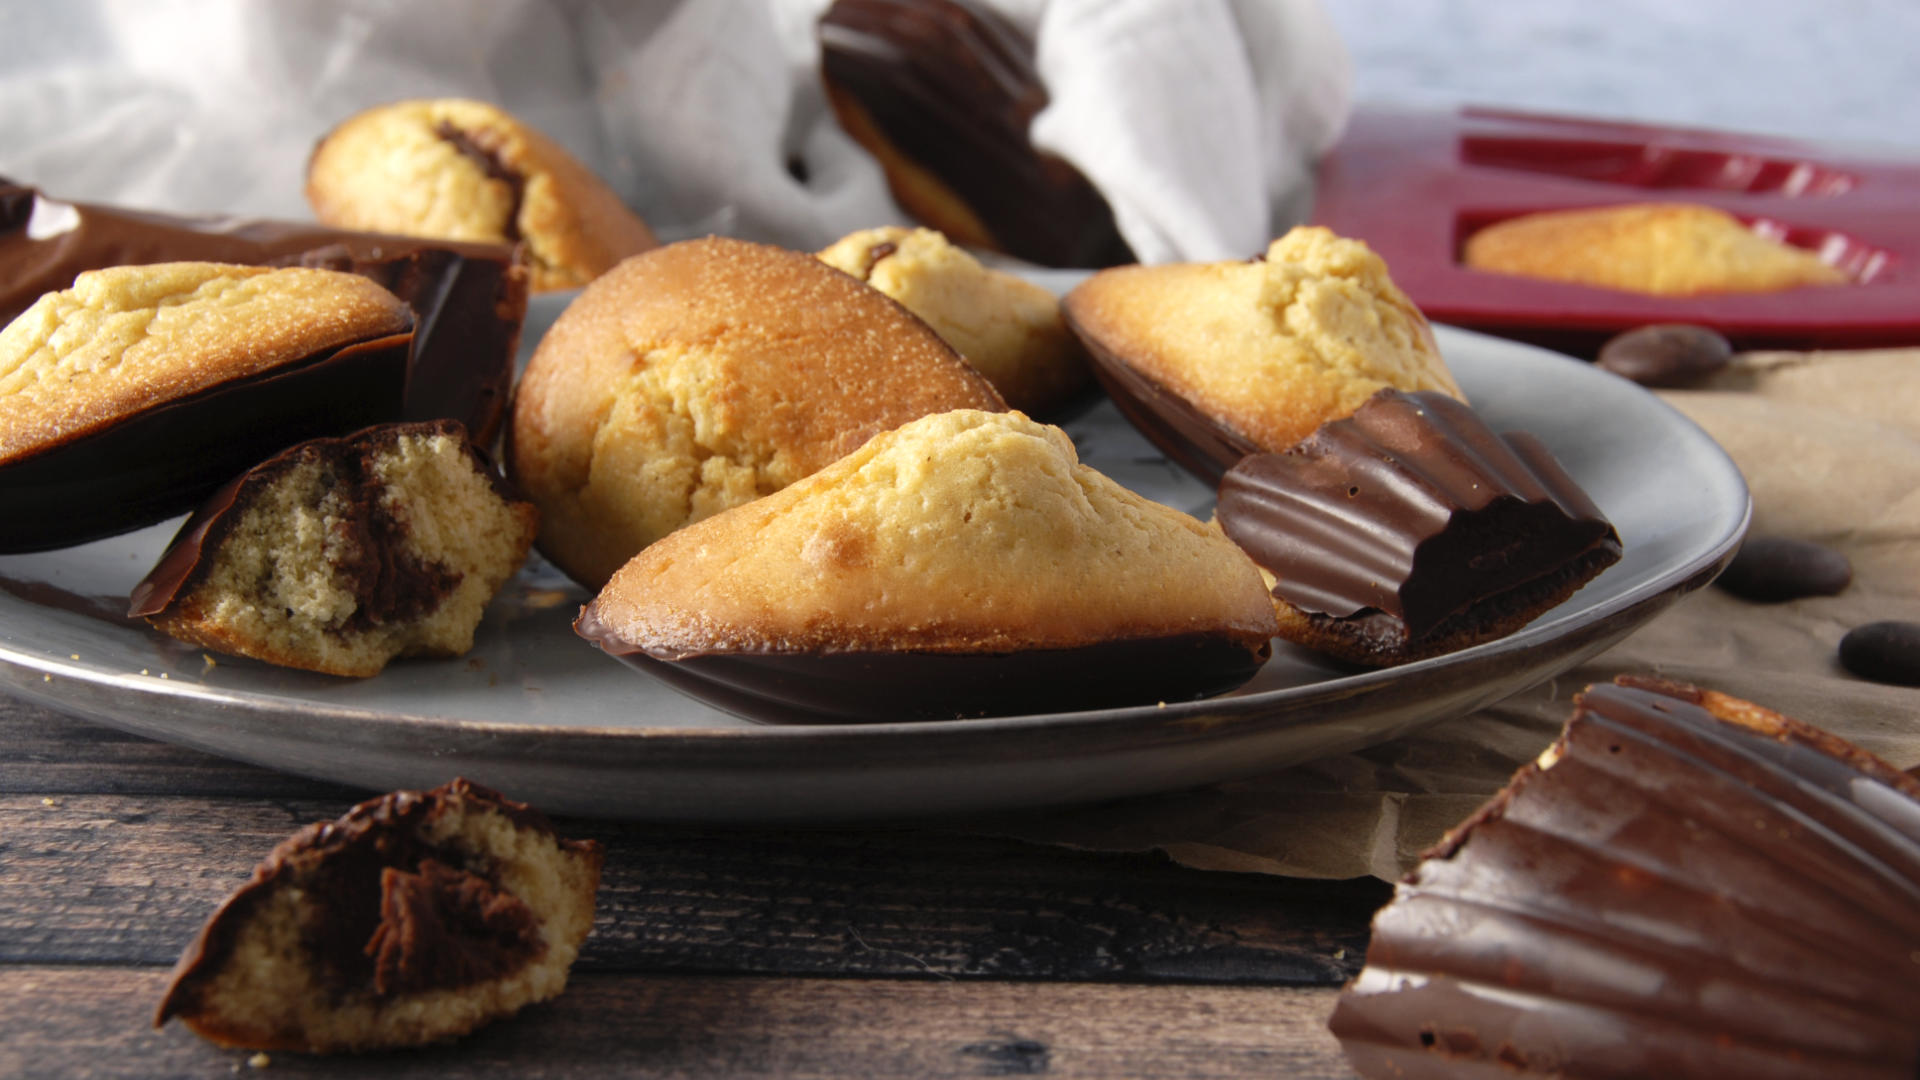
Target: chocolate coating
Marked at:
165, 460
468, 300
1666, 354
1195, 441
952, 87
1413, 521
1686, 886
877, 687
341, 865
1887, 652
1769, 569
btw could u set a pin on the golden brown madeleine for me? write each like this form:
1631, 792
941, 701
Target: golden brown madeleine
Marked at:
416, 917
963, 564
464, 170
339, 555
128, 397
1665, 249
1218, 360
1685, 885
1005, 326
705, 374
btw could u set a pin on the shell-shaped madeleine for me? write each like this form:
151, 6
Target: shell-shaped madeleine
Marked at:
961, 565
1412, 528
1685, 885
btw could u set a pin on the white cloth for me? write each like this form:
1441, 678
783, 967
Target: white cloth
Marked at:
1198, 119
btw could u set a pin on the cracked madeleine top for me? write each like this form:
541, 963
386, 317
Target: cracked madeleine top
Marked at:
130, 338
702, 375
962, 532
1271, 348
451, 169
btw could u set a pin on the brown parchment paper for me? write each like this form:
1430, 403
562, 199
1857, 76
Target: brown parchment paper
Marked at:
1830, 445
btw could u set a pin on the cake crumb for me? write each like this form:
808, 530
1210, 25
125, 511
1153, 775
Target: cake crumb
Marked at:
48, 802
259, 1061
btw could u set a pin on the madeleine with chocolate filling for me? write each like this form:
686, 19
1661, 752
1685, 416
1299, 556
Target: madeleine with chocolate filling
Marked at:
451, 169
338, 555
1215, 361
129, 397
1685, 885
416, 917
963, 565
1410, 529
706, 374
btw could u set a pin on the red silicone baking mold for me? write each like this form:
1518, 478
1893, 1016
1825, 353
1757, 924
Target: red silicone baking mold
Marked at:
1415, 185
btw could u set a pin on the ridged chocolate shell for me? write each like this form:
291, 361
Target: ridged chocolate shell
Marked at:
1685, 885
1412, 528
952, 87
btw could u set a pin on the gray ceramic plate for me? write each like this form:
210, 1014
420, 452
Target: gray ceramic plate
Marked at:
546, 718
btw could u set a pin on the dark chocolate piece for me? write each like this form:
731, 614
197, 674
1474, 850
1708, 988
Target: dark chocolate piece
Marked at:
1769, 569
165, 460
389, 585
950, 86
495, 167
1686, 885
1193, 440
442, 928
341, 866
1411, 528
1887, 652
875, 687
468, 300
1666, 354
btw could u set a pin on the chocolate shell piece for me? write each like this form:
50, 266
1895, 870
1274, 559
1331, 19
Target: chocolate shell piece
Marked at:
468, 300
942, 93
1684, 885
1410, 529
418, 916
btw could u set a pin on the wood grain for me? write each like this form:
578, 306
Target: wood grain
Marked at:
95, 1022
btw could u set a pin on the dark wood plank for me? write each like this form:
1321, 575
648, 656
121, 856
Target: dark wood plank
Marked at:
110, 879
93, 1022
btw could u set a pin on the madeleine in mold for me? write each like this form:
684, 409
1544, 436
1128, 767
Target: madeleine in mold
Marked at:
1215, 361
1411, 529
1684, 885
963, 565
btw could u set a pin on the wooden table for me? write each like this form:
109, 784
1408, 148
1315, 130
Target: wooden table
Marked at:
716, 952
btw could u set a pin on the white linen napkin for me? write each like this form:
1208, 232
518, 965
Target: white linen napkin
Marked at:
1198, 119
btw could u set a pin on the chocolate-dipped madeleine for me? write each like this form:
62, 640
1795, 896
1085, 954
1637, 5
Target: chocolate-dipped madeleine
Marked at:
468, 300
1411, 529
127, 398
942, 93
338, 555
1684, 885
962, 565
416, 917
1007, 327
1215, 361
704, 374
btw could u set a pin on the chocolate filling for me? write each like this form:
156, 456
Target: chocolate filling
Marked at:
495, 167
875, 254
442, 928
389, 582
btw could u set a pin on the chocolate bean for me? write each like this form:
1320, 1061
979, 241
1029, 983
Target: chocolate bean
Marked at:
1666, 354
1769, 569
1887, 652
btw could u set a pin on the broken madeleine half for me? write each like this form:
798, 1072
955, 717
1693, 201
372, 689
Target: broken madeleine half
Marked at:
963, 565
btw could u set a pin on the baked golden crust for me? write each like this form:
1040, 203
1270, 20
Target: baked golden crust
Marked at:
963, 532
464, 170
129, 338
1664, 249
1271, 349
1005, 326
705, 374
